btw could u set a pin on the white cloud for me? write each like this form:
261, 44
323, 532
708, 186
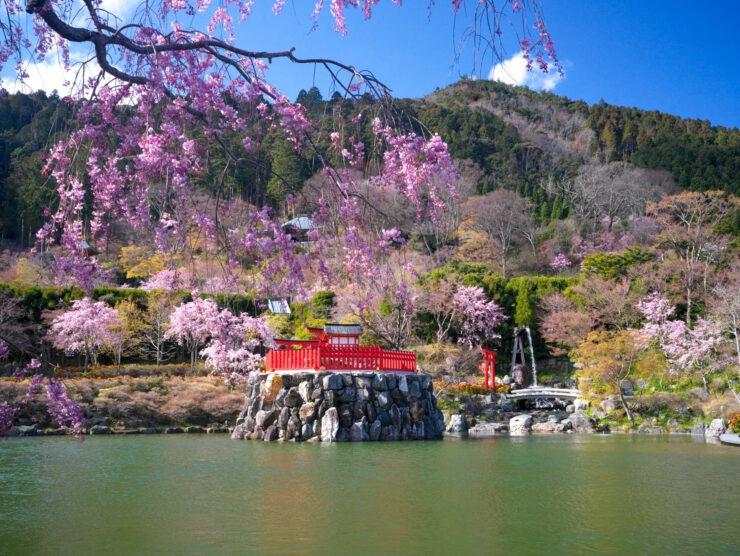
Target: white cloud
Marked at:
49, 75
118, 8
514, 72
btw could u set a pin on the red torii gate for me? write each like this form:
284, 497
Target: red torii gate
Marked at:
489, 365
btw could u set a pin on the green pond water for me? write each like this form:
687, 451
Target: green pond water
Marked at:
190, 494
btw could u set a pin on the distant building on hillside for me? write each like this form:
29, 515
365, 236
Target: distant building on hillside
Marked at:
88, 249
299, 227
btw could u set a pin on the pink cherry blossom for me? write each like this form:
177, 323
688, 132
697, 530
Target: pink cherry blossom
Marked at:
85, 328
477, 317
560, 262
191, 323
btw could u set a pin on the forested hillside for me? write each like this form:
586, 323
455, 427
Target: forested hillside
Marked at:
521, 140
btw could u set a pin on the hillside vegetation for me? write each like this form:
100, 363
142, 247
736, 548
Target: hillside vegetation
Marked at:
518, 138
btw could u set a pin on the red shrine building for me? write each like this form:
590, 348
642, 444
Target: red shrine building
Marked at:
336, 347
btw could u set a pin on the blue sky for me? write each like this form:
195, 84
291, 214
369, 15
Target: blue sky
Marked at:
676, 57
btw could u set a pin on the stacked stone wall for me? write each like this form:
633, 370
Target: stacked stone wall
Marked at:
339, 407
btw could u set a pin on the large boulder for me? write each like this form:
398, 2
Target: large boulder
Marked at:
398, 397
380, 383
330, 425
370, 412
333, 382
384, 400
345, 416
375, 429
238, 432
395, 415
580, 422
390, 433
331, 397
293, 430
307, 412
610, 405
271, 387
716, 428
699, 429
342, 435
414, 390
279, 400
264, 419
347, 395
521, 424
432, 431
317, 394
581, 404
551, 427
403, 386
507, 404
283, 418
254, 406
364, 394
358, 431
482, 430
293, 398
385, 418
304, 389
417, 410
249, 424
457, 425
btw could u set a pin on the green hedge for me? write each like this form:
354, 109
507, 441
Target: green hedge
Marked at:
38, 299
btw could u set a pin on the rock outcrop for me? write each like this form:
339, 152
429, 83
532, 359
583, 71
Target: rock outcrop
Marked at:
716, 428
521, 424
336, 407
457, 425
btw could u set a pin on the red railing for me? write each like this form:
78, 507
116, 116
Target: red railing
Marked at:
336, 358
398, 360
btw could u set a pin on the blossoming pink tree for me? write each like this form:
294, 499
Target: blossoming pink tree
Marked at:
477, 318
560, 263
86, 328
686, 349
190, 324
169, 280
64, 411
464, 308
231, 351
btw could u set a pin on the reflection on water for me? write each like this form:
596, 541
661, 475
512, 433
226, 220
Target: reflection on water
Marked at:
544, 494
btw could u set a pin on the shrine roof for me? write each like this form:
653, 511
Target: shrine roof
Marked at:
344, 329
